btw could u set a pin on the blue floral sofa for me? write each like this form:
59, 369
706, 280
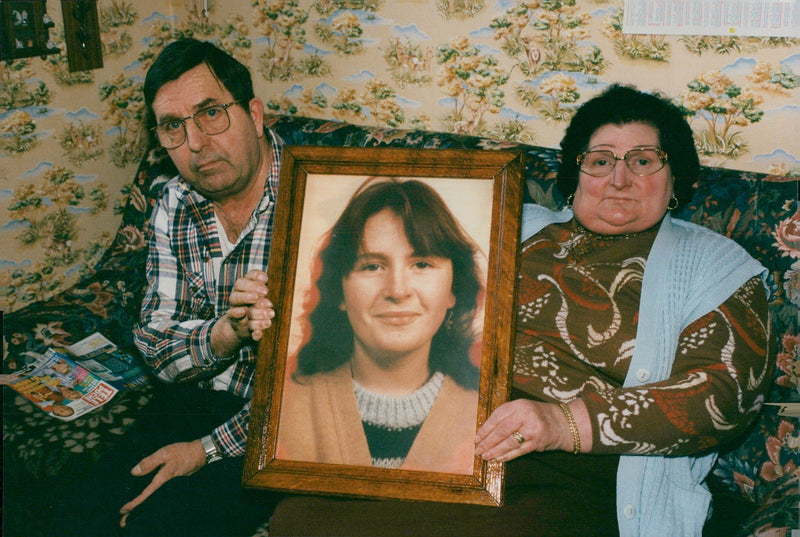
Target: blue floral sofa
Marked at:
756, 483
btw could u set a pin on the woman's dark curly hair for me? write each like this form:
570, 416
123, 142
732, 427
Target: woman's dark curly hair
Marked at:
621, 105
431, 230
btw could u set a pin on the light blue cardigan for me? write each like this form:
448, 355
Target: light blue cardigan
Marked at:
690, 271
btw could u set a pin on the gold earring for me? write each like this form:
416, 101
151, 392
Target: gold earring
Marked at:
570, 199
673, 203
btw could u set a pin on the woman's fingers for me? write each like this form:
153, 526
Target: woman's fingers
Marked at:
518, 427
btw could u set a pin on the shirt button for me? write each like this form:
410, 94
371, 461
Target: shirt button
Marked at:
643, 375
629, 511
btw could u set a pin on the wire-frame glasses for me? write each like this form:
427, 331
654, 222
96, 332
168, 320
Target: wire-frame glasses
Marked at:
641, 161
210, 120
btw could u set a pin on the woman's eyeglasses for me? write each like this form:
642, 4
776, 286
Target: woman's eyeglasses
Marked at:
210, 120
641, 161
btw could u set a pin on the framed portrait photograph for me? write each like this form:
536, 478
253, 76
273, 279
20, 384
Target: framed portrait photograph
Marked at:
392, 272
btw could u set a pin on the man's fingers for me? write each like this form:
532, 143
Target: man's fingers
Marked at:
261, 309
256, 275
237, 312
252, 321
248, 290
150, 463
159, 479
144, 467
179, 459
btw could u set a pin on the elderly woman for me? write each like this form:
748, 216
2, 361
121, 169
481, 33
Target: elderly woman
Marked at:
640, 348
387, 372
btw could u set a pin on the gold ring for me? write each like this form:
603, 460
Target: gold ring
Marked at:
519, 438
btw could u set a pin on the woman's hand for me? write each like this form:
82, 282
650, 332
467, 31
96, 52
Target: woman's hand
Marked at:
521, 426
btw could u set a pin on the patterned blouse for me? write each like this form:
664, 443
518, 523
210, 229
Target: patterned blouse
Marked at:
576, 326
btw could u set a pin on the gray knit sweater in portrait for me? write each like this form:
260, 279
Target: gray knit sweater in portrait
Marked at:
392, 423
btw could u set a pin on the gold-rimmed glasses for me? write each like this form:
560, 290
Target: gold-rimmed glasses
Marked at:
641, 161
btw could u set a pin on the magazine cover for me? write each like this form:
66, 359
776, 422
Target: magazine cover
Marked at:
59, 386
103, 358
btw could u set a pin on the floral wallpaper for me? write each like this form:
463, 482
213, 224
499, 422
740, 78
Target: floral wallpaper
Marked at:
507, 69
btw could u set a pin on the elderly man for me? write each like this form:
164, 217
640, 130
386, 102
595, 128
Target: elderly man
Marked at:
204, 310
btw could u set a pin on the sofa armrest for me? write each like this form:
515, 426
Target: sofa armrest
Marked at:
108, 302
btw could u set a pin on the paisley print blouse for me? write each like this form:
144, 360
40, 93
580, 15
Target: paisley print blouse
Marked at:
576, 326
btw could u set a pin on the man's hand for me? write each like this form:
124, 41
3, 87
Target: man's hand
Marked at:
174, 460
249, 315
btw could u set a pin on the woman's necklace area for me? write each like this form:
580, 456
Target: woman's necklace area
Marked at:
584, 241
580, 228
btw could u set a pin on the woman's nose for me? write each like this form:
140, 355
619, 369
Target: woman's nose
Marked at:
397, 284
621, 175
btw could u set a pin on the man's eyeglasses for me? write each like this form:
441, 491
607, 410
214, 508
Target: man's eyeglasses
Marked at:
210, 120
641, 161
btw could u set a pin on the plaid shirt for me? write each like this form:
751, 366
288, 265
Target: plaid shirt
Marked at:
185, 295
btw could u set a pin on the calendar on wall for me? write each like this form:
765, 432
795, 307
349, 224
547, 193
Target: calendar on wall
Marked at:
770, 18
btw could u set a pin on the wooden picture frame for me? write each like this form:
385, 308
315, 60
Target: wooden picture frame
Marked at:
483, 191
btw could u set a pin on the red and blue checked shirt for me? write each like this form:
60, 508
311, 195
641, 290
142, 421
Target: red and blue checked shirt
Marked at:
185, 295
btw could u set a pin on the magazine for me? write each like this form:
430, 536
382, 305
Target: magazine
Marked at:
59, 386
99, 355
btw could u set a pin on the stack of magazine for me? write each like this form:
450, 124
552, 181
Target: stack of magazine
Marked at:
71, 381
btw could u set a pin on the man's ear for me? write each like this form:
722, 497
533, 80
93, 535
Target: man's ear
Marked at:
256, 109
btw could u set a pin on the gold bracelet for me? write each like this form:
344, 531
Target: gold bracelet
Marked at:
573, 428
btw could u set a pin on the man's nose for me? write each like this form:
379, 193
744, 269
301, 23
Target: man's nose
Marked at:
195, 138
